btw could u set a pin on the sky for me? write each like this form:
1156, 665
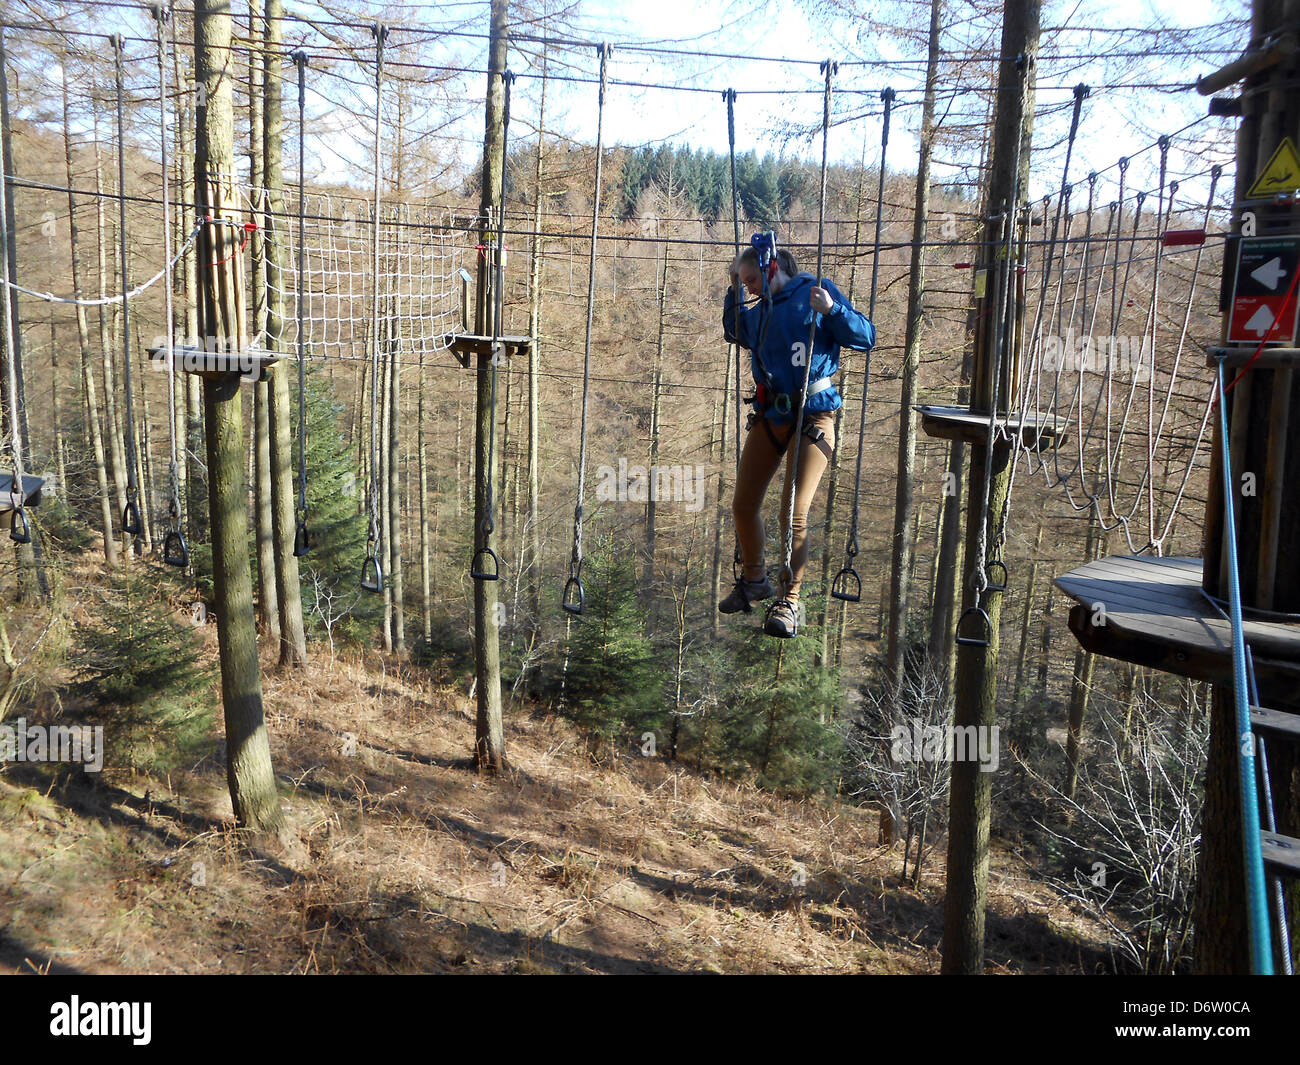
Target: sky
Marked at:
779, 44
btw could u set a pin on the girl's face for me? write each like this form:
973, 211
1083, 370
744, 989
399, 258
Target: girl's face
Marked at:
751, 279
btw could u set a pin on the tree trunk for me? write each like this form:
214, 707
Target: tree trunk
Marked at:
221, 316
970, 803
489, 729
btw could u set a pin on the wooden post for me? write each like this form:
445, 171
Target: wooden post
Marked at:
489, 730
221, 317
976, 689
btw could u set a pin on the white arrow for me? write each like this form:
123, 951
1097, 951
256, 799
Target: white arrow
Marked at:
1260, 321
1270, 273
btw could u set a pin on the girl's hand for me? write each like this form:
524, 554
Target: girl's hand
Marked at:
820, 300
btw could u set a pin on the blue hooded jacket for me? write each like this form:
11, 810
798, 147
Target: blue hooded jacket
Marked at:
784, 345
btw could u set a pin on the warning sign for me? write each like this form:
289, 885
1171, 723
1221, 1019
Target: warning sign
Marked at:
1264, 294
1280, 174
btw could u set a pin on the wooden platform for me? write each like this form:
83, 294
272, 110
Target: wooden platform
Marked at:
1154, 614
1039, 433
463, 345
1270, 357
30, 496
251, 363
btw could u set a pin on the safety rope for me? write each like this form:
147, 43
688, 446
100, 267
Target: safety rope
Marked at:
574, 599
1261, 951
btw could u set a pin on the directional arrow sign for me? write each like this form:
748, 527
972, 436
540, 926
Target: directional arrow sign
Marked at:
1270, 273
1266, 267
1260, 321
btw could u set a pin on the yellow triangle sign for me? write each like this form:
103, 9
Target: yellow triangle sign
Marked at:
1281, 174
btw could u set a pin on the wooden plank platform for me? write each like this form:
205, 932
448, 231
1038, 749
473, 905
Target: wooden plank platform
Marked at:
1271, 357
1039, 432
1154, 614
250, 363
1276, 722
463, 345
1282, 852
30, 496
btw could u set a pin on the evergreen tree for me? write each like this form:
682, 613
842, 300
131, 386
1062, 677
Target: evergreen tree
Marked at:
140, 670
613, 686
332, 568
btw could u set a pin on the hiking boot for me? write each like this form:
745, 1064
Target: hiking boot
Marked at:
782, 619
746, 592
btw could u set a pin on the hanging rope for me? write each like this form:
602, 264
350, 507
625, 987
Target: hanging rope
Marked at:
847, 585
372, 570
1001, 333
132, 524
301, 538
478, 565
175, 551
787, 570
737, 560
19, 530
574, 598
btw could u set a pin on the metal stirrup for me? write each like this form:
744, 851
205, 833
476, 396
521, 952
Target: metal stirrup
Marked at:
985, 636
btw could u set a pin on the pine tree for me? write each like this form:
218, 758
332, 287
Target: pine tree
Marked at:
331, 570
141, 672
614, 687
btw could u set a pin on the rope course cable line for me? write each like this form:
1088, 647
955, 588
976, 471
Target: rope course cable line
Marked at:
573, 599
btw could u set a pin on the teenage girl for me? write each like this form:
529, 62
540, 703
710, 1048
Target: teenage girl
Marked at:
775, 330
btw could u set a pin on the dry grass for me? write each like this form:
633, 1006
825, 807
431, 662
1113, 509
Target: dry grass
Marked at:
410, 862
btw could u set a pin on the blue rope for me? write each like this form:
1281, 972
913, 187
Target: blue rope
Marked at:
1261, 948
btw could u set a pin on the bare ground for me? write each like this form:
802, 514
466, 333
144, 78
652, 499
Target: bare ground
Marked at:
411, 862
